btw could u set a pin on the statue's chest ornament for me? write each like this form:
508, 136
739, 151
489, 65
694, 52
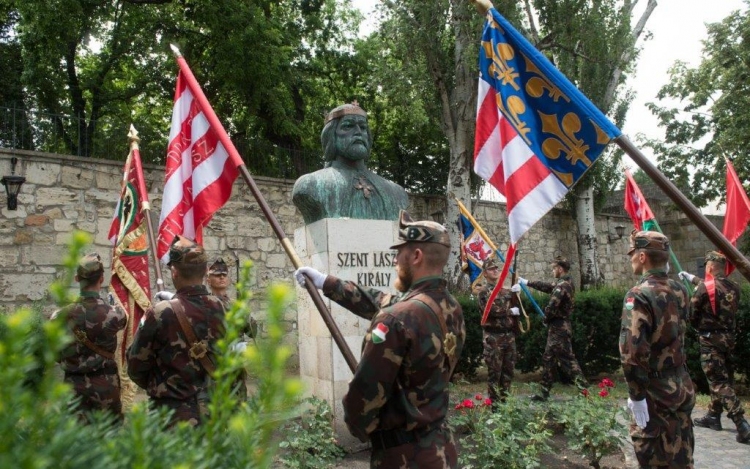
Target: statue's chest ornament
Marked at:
360, 183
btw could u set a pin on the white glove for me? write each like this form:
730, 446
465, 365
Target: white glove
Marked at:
522, 281
514, 311
238, 347
515, 288
640, 412
686, 276
317, 277
163, 295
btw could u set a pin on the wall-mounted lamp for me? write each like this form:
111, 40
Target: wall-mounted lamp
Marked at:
438, 217
12, 185
619, 231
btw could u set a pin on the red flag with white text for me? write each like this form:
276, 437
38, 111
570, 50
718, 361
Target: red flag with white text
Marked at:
737, 214
130, 284
199, 172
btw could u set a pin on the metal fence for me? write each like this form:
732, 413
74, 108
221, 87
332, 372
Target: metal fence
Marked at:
25, 129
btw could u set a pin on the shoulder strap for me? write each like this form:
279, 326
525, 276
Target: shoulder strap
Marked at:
83, 338
449, 338
197, 349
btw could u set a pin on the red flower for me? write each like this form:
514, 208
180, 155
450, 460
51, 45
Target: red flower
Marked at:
459, 406
468, 403
585, 392
488, 401
603, 393
601, 384
479, 397
608, 383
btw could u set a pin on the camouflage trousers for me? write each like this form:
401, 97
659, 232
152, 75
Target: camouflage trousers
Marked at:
715, 353
96, 391
187, 410
559, 354
667, 441
500, 358
435, 450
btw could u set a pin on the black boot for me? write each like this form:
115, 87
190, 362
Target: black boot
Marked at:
541, 397
743, 430
711, 420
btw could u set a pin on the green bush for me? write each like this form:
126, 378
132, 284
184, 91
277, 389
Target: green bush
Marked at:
514, 436
310, 442
596, 330
37, 429
471, 357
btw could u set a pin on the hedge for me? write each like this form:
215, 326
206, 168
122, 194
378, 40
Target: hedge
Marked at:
596, 332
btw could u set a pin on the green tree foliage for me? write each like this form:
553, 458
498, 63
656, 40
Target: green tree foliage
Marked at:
711, 121
270, 69
37, 429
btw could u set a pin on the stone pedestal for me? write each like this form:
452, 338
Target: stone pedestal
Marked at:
355, 250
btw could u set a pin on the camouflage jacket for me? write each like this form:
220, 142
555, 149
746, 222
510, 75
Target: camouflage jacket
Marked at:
100, 322
159, 360
500, 317
652, 333
702, 316
561, 301
402, 378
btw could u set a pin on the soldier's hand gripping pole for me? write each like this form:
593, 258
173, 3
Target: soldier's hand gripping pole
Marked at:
285, 243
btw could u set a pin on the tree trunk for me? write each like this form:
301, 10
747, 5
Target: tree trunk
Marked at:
590, 274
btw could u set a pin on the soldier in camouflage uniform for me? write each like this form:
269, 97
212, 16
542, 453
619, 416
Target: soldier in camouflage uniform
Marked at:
398, 397
559, 349
88, 362
163, 360
499, 332
652, 337
716, 334
218, 282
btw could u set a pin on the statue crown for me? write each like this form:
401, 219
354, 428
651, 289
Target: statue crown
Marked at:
345, 109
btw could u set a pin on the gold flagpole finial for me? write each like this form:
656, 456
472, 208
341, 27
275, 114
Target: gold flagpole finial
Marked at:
133, 136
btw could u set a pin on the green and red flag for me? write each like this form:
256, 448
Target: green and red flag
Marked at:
130, 285
637, 207
643, 218
737, 214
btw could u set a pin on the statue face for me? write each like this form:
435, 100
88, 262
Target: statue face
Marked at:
353, 138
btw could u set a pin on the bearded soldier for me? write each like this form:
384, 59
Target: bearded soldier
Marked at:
171, 355
88, 362
661, 395
499, 332
716, 334
398, 397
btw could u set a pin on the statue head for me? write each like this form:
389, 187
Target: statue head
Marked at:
346, 134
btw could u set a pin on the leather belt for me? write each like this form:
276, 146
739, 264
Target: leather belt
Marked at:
106, 370
497, 330
667, 372
385, 439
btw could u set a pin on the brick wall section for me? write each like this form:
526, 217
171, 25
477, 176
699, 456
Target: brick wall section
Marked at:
64, 193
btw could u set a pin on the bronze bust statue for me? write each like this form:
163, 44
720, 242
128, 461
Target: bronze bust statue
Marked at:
345, 188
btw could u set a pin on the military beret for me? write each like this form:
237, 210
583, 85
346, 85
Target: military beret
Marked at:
489, 264
410, 231
562, 262
186, 251
716, 256
345, 109
90, 266
218, 267
648, 240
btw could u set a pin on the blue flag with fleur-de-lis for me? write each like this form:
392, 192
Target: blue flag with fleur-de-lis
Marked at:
536, 133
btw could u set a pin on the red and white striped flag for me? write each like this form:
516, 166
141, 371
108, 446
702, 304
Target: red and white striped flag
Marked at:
199, 170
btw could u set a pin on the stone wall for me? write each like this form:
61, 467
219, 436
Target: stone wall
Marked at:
64, 193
